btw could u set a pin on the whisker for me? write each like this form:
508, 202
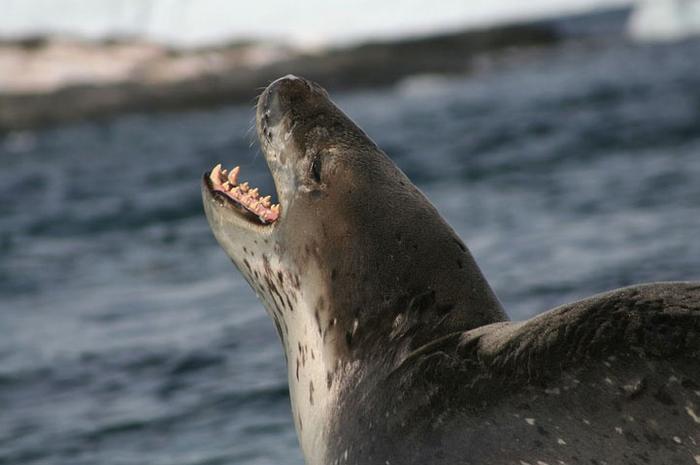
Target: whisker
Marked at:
251, 133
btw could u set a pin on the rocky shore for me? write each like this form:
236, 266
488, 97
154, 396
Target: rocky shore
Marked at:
48, 81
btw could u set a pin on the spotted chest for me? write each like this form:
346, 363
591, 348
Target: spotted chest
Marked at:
306, 327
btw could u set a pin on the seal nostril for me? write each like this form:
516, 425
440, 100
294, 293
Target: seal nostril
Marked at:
316, 168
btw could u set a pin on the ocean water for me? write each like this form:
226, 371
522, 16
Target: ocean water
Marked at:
127, 337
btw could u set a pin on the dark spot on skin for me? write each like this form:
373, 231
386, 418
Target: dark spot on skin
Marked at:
334, 274
297, 359
280, 277
542, 431
445, 308
247, 265
460, 264
689, 384
459, 244
348, 338
329, 379
318, 320
281, 300
311, 392
664, 397
399, 238
245, 249
289, 303
301, 425
271, 285
281, 334
279, 297
422, 302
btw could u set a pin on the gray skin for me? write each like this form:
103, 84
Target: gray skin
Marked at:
398, 351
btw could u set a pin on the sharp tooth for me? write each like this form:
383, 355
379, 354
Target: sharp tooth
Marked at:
275, 208
227, 185
215, 174
254, 205
224, 172
244, 187
233, 175
254, 192
266, 201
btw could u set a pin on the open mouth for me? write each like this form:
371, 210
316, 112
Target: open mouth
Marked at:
246, 200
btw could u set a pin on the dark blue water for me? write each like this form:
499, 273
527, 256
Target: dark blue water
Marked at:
126, 336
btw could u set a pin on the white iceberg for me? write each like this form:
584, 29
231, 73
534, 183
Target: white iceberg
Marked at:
664, 20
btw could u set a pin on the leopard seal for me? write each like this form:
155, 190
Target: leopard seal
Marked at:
398, 351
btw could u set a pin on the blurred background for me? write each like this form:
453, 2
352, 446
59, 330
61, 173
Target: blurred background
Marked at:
561, 139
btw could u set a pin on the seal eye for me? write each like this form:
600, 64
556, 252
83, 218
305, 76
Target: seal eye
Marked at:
316, 167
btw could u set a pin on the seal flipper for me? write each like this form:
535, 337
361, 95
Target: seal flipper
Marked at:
613, 378
655, 321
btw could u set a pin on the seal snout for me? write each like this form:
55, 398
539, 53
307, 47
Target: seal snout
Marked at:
282, 95
289, 83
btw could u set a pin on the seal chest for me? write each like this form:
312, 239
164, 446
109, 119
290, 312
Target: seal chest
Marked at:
294, 299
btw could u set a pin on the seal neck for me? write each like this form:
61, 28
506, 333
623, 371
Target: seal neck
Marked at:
392, 287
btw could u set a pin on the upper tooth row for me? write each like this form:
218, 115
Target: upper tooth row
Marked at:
218, 173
